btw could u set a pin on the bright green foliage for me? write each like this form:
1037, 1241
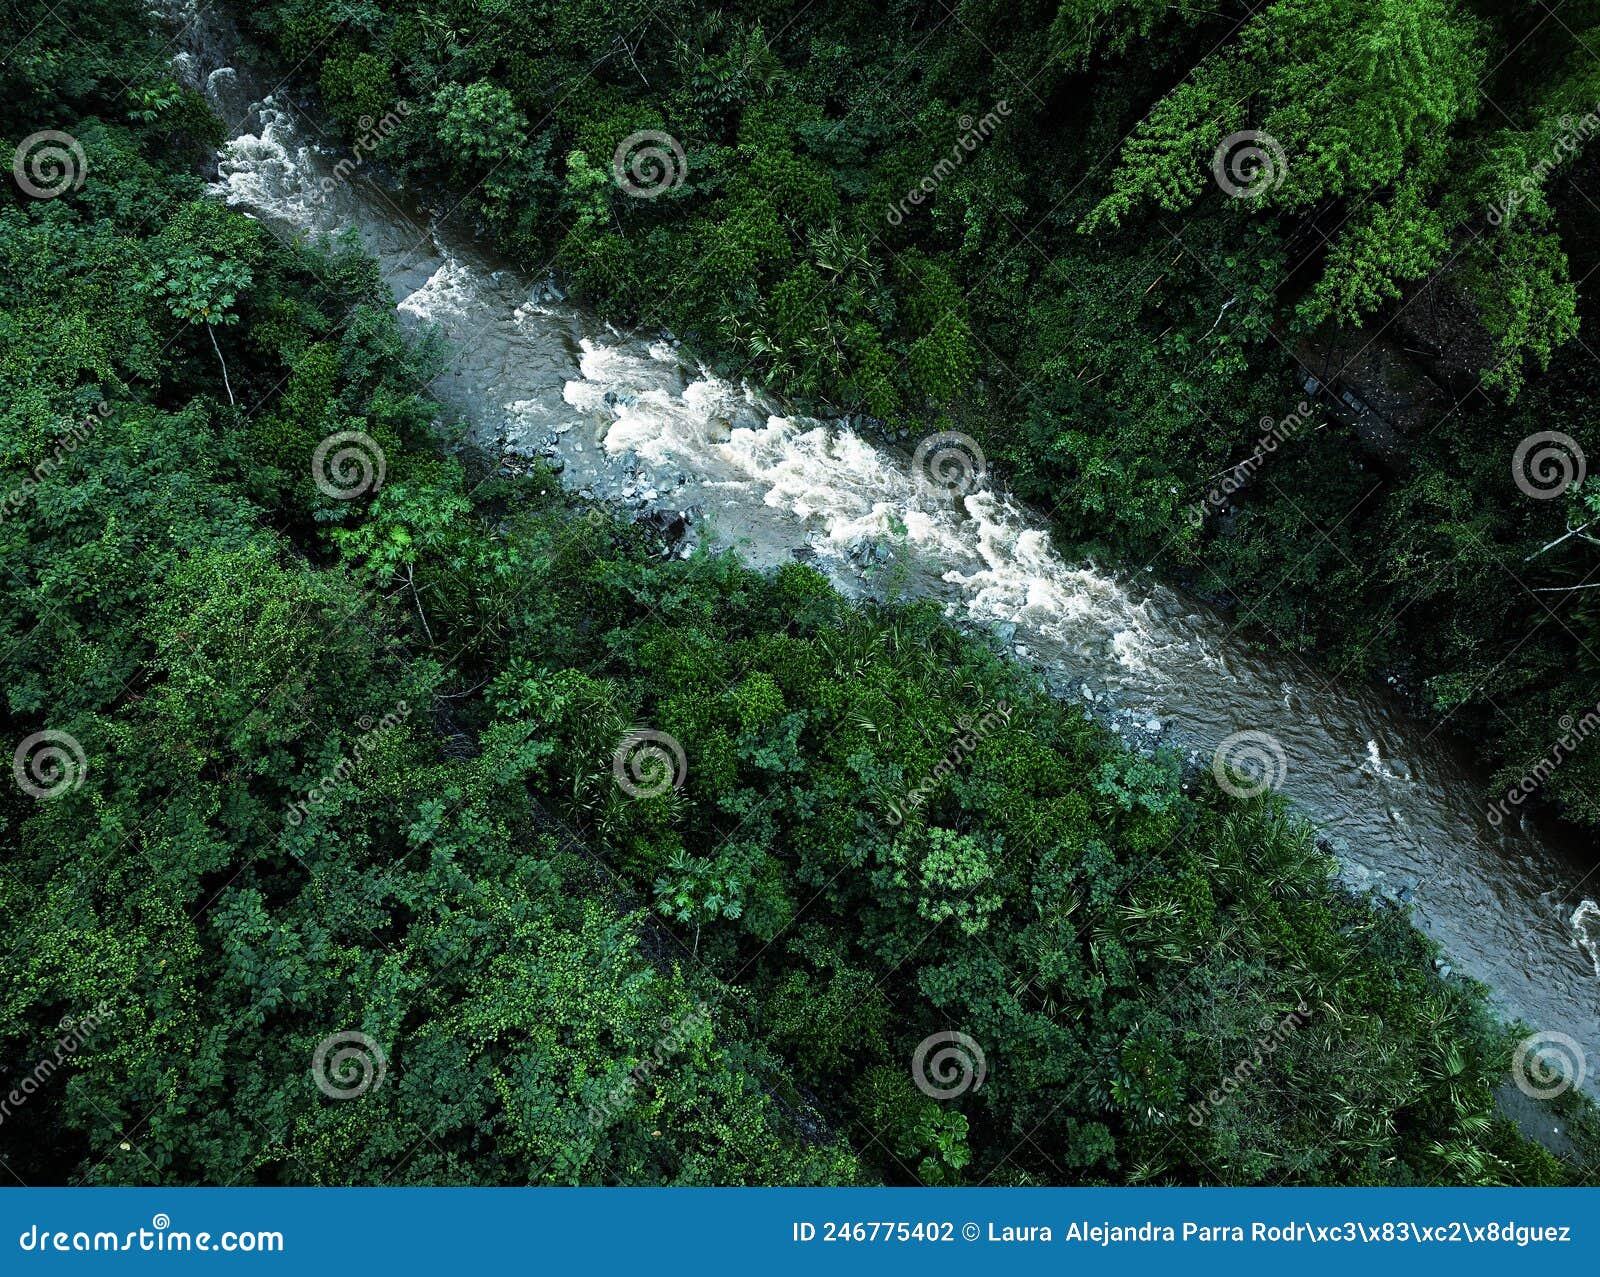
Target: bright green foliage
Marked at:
478, 122
357, 86
1354, 91
202, 263
1529, 314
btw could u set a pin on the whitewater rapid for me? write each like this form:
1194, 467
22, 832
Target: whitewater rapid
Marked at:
628, 420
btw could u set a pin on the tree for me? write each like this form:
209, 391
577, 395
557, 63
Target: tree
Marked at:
202, 263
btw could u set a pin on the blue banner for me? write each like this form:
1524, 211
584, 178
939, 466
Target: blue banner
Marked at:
802, 1231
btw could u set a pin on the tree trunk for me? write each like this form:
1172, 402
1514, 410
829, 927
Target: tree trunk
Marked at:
211, 332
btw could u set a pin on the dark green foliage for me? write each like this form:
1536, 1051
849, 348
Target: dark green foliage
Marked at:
350, 763
1007, 216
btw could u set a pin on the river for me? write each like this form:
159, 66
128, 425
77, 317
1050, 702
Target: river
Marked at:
630, 422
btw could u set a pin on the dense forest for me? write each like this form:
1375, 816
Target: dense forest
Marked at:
1006, 216
358, 846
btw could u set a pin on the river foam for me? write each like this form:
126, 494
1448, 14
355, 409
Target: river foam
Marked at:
628, 420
